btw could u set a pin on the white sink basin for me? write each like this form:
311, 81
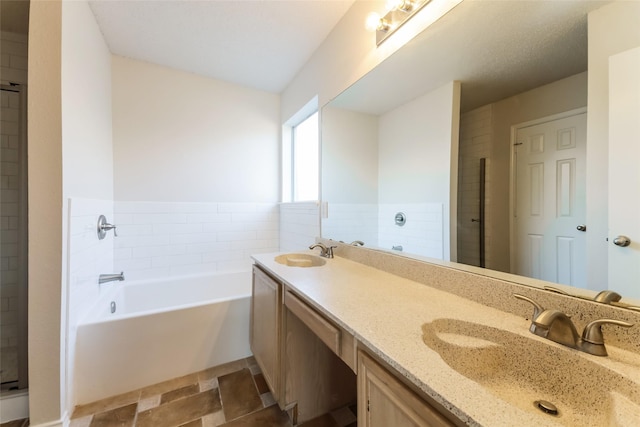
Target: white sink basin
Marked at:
300, 260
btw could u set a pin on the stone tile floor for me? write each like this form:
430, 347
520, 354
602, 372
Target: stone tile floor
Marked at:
230, 395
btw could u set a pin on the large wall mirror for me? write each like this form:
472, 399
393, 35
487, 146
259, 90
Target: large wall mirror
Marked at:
468, 145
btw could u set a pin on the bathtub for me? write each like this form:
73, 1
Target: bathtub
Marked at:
160, 330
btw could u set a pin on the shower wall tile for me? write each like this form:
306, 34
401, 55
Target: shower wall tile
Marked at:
423, 232
12, 273
88, 257
350, 221
475, 143
14, 48
299, 225
157, 239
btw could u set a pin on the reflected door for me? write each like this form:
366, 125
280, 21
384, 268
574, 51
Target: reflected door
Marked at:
624, 173
550, 200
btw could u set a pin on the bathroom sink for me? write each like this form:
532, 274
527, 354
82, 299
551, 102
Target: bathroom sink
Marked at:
524, 370
300, 260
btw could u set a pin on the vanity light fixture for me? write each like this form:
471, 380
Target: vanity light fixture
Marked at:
397, 13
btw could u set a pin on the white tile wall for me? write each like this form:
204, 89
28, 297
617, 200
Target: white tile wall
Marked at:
88, 258
349, 222
475, 143
157, 239
422, 233
13, 50
299, 225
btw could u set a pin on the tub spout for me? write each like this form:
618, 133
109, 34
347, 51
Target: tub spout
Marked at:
104, 278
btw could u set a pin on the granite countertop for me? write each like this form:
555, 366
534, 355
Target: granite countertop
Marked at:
386, 313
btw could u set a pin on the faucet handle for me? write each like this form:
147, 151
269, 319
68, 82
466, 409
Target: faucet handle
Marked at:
607, 297
593, 331
537, 308
329, 251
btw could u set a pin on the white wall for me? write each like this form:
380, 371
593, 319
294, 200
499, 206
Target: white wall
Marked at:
69, 156
186, 138
349, 156
46, 339
349, 52
87, 157
612, 29
418, 156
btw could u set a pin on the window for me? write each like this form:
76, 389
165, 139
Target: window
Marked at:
305, 162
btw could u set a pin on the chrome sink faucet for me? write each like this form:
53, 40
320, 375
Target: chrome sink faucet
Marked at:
558, 327
325, 251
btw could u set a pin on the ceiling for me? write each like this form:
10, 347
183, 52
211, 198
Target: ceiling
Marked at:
259, 44
496, 49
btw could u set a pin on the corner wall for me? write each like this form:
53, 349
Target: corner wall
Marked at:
418, 171
180, 137
612, 29
46, 339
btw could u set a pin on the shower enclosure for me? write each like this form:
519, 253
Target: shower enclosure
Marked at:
13, 238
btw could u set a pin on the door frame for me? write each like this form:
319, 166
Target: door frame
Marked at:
512, 172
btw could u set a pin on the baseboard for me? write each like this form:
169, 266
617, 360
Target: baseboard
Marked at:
63, 422
15, 406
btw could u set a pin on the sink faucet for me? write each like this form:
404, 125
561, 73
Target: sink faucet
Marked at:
558, 327
325, 251
104, 278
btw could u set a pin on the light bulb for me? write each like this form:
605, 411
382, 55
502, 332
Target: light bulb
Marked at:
404, 5
373, 21
393, 4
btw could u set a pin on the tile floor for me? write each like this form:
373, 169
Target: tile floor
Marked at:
230, 395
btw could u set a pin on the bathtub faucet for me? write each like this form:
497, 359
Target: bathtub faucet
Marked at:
104, 278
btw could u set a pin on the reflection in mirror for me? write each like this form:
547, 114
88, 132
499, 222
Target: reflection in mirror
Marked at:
409, 138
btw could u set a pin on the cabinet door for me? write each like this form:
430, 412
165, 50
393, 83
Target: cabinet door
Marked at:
265, 329
384, 401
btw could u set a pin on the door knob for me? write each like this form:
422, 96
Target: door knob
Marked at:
582, 227
623, 241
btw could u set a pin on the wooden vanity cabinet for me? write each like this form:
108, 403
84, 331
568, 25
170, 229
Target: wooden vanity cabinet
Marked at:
310, 364
316, 376
266, 328
299, 351
385, 401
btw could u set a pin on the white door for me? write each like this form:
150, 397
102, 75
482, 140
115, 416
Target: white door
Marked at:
624, 172
550, 200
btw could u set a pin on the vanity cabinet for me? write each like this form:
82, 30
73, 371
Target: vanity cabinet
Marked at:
266, 323
385, 401
301, 353
315, 376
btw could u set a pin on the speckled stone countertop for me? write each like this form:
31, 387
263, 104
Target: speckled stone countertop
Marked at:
387, 314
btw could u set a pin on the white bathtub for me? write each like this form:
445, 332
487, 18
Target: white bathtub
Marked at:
160, 330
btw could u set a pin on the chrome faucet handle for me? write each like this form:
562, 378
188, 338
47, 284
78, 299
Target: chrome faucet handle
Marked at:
537, 308
104, 226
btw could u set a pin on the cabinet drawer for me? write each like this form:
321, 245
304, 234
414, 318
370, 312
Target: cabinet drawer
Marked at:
326, 331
